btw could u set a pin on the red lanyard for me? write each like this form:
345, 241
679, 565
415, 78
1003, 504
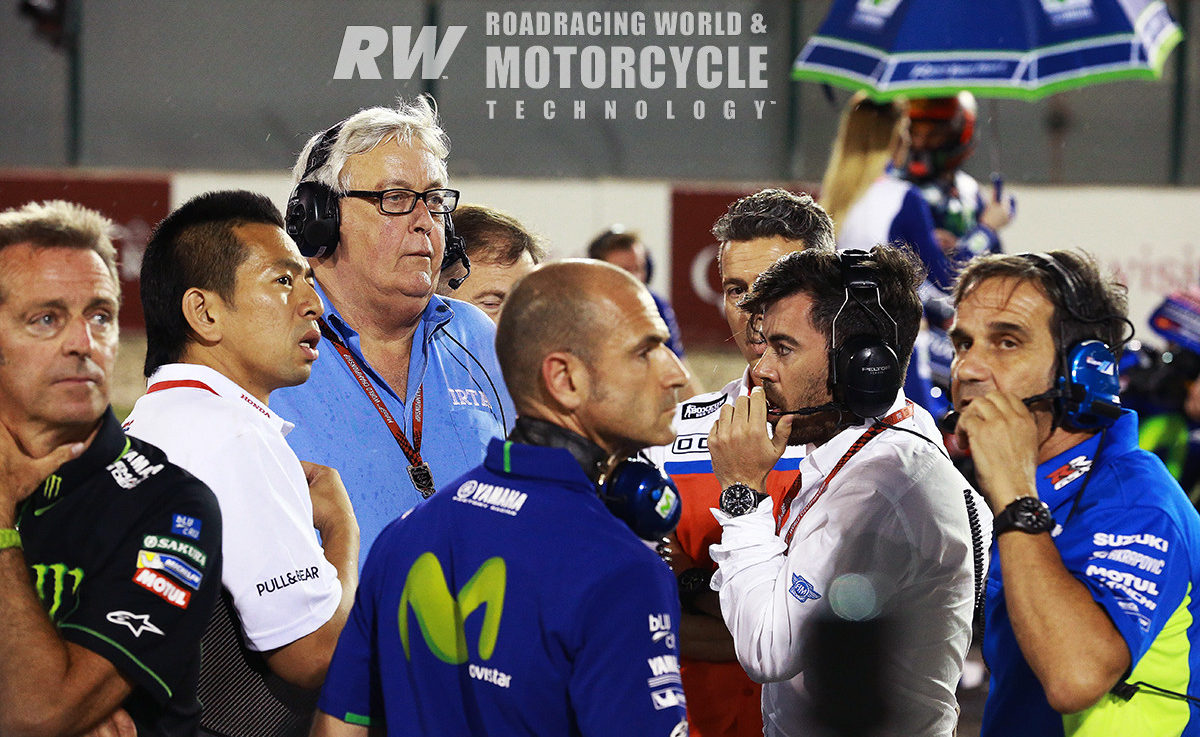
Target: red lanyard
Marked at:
418, 469
786, 505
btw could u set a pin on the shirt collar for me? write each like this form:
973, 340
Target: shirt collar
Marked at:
1061, 477
537, 462
220, 385
826, 456
109, 444
436, 314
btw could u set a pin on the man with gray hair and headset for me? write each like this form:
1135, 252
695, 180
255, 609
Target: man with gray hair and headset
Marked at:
407, 391
1091, 607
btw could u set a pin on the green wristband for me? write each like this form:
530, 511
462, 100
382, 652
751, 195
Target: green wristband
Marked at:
9, 538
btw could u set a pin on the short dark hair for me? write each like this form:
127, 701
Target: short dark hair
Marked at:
1086, 304
195, 246
494, 235
818, 273
615, 238
776, 212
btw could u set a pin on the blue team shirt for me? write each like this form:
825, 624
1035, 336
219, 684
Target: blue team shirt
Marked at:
1127, 532
466, 404
511, 603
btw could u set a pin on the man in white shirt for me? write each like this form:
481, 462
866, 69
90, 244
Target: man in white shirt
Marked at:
876, 526
231, 315
754, 232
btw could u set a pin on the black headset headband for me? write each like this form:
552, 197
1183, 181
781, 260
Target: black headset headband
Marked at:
318, 155
864, 371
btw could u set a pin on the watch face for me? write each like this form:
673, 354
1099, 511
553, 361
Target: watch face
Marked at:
738, 499
1026, 514
1033, 515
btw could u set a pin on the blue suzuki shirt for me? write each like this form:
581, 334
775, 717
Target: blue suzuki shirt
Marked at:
466, 404
1128, 533
511, 603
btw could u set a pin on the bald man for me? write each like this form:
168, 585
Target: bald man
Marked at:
577, 629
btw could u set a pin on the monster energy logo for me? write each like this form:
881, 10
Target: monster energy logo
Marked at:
52, 486
51, 583
441, 615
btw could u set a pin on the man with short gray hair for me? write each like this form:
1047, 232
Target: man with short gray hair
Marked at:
409, 392
110, 555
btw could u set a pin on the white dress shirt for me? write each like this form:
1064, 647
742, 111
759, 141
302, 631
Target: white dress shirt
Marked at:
888, 538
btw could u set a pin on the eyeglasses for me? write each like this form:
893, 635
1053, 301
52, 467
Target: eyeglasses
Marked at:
402, 201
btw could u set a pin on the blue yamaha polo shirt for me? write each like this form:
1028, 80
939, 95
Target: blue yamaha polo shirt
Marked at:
1127, 531
511, 603
466, 404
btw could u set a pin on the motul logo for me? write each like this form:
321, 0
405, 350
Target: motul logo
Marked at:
159, 585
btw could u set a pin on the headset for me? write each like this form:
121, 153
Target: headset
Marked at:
1085, 392
635, 491
639, 495
313, 215
864, 372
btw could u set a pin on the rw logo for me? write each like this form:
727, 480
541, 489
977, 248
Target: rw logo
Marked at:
441, 615
361, 45
55, 585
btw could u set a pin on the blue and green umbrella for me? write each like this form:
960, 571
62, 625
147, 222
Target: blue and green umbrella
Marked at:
996, 48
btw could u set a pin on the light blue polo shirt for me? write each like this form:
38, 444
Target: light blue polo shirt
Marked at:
466, 404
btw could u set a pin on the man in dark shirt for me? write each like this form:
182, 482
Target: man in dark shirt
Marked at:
110, 556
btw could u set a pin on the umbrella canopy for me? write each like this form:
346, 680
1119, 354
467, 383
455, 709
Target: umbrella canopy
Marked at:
996, 48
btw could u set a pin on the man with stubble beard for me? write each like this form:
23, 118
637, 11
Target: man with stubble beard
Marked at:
875, 525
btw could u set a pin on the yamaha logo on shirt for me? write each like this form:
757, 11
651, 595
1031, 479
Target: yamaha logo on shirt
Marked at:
489, 496
132, 469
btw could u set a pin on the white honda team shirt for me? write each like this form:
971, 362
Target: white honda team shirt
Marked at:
282, 586
889, 537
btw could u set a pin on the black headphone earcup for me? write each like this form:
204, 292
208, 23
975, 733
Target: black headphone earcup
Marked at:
640, 496
313, 219
867, 375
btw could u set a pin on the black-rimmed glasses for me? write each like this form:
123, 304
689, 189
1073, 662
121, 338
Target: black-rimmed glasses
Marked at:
402, 201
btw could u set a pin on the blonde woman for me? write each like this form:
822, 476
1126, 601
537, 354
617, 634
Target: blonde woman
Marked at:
868, 203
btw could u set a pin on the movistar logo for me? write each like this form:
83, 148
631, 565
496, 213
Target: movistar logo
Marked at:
441, 615
52, 583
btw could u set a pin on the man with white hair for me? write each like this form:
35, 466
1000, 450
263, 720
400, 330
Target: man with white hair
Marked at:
409, 392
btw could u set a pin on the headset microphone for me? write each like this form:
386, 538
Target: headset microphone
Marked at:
949, 422
827, 407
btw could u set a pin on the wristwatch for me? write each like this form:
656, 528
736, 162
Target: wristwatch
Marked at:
739, 499
692, 583
1027, 514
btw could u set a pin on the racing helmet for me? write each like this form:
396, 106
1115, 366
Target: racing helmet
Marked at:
958, 115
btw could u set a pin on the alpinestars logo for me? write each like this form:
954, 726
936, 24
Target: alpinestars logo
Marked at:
137, 623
